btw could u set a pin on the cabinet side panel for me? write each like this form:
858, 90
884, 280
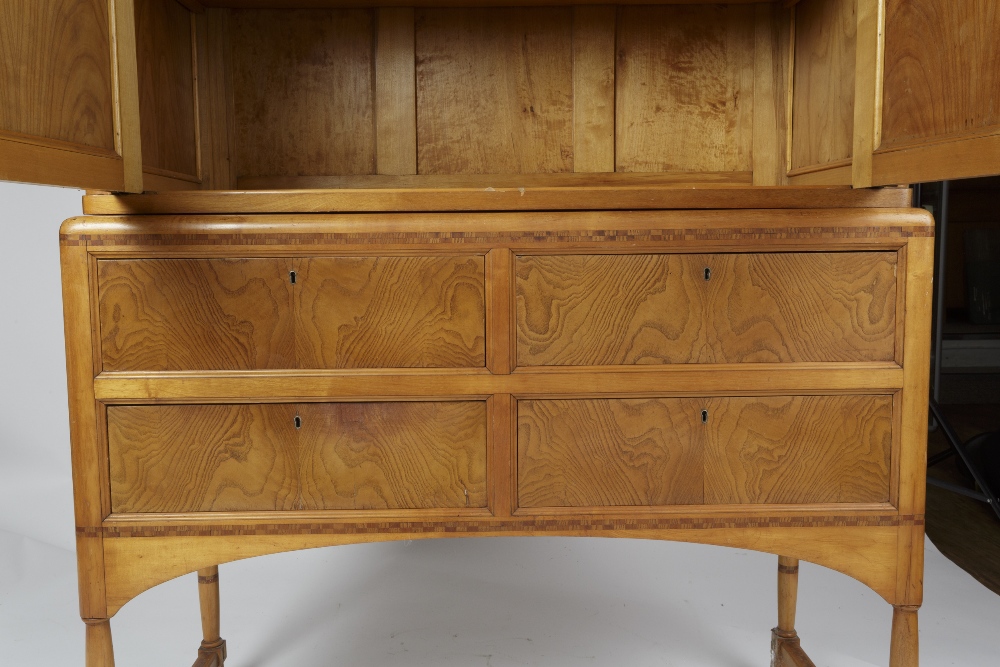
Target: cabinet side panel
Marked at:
166, 88
609, 452
823, 83
304, 92
942, 70
406, 455
800, 449
494, 90
684, 88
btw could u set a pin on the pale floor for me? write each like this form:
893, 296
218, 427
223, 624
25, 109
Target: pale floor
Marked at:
494, 602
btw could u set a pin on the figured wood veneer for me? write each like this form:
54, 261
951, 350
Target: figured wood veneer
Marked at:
588, 310
390, 312
227, 458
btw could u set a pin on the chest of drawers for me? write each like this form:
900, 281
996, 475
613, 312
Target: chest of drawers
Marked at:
750, 377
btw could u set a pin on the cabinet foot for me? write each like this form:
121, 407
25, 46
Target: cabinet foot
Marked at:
903, 652
785, 649
212, 652
99, 650
211, 655
786, 652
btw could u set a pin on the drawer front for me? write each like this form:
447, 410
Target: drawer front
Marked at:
716, 451
195, 314
216, 314
223, 458
391, 312
592, 310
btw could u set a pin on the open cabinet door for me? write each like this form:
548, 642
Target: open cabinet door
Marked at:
935, 81
69, 106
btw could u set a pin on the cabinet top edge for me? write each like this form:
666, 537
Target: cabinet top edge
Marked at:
511, 199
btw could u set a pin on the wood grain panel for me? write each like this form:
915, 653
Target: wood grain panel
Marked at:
215, 81
494, 90
942, 70
166, 86
202, 458
607, 309
823, 82
594, 89
656, 309
802, 449
801, 306
391, 312
684, 88
607, 452
304, 94
395, 93
393, 455
188, 314
56, 71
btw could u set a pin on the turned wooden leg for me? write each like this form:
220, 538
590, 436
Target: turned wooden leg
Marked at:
99, 650
213, 647
903, 650
785, 649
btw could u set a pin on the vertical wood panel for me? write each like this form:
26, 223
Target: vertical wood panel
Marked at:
166, 87
868, 90
608, 452
395, 93
494, 90
771, 43
215, 100
594, 89
684, 97
393, 455
803, 449
304, 92
502, 467
823, 87
500, 343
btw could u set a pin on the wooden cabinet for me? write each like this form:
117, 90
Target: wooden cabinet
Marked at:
358, 273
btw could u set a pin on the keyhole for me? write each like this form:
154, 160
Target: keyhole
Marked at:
704, 415
298, 421
708, 274
291, 276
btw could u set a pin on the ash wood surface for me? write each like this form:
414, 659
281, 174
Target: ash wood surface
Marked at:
823, 82
594, 89
166, 87
215, 81
805, 449
99, 650
393, 455
193, 314
303, 90
684, 88
494, 90
203, 458
942, 70
904, 648
657, 309
391, 312
770, 94
606, 452
395, 93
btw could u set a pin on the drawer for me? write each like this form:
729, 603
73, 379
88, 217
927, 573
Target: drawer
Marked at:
224, 458
592, 310
676, 451
217, 314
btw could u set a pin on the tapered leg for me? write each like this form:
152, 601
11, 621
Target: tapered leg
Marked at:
213, 647
903, 650
99, 650
785, 649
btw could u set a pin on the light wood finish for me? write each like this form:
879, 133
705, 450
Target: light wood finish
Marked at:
494, 90
304, 98
99, 651
393, 455
868, 79
166, 314
203, 458
586, 453
212, 652
167, 102
594, 89
395, 93
904, 650
674, 62
535, 198
215, 87
805, 449
500, 342
788, 591
823, 84
770, 114
641, 309
390, 312
452, 3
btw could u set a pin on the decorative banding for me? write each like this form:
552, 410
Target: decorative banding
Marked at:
788, 569
208, 580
